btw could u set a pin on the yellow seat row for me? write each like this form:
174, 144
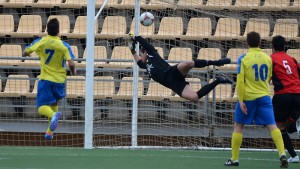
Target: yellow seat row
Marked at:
266, 5
116, 26
121, 56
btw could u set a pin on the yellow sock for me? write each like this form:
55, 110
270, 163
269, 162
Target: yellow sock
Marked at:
46, 111
48, 129
236, 142
277, 138
54, 108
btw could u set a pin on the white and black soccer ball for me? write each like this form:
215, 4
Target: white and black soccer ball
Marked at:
147, 19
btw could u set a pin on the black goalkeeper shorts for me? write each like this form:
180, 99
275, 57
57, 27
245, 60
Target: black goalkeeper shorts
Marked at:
286, 106
175, 80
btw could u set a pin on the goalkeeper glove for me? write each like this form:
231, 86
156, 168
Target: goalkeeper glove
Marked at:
132, 47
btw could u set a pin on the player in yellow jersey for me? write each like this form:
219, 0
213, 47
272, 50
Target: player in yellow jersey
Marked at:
254, 104
53, 54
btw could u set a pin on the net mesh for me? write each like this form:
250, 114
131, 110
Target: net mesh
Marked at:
182, 30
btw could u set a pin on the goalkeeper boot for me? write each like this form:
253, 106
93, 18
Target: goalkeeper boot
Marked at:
230, 162
223, 61
54, 121
283, 161
224, 79
293, 159
49, 135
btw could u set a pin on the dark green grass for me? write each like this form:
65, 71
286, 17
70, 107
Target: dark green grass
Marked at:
69, 158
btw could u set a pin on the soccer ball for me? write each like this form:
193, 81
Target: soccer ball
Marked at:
147, 19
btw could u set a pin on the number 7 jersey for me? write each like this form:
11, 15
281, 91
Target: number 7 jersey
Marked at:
285, 73
253, 75
53, 54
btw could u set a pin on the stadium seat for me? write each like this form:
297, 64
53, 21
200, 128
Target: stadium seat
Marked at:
295, 53
245, 5
222, 93
18, 3
179, 55
109, 4
187, 4
64, 23
198, 29
16, 86
119, 54
113, 27
170, 32
34, 91
159, 5
218, 4
75, 87
125, 91
145, 31
47, 3
156, 92
10, 51
104, 87
99, 53
6, 25
275, 5
267, 51
261, 26
29, 26
295, 6
160, 51
2, 2
288, 28
234, 54
80, 28
74, 4
209, 53
227, 29
127, 4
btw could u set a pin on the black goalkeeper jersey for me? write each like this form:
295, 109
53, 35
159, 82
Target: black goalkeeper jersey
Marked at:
155, 65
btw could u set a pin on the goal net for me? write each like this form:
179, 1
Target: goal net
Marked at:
182, 30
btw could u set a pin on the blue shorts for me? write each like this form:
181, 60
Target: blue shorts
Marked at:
49, 92
260, 112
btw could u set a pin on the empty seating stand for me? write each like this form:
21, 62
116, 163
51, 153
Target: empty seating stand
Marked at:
180, 54
47, 3
29, 26
18, 3
159, 5
169, 32
234, 54
6, 25
99, 53
261, 26
156, 92
198, 29
16, 86
75, 87
287, 28
7, 50
104, 87
125, 91
121, 58
218, 4
187, 4
113, 27
227, 29
245, 5
275, 5
80, 28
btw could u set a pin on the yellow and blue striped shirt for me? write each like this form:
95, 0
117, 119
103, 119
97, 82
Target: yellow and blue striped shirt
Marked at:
53, 53
253, 75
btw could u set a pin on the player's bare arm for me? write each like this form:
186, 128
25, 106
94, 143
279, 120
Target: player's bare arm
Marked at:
71, 64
